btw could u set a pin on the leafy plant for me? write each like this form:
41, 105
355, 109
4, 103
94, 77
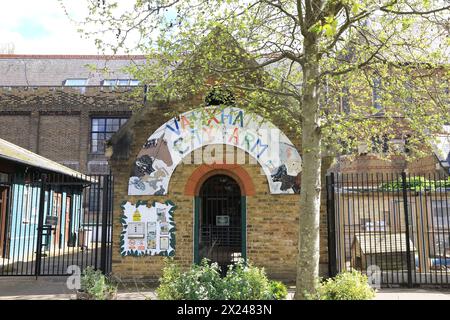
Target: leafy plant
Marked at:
204, 282
278, 290
96, 286
246, 282
348, 285
416, 184
200, 282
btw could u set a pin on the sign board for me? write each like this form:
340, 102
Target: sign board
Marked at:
222, 221
51, 220
148, 229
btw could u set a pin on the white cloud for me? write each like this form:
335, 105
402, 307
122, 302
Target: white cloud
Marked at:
60, 36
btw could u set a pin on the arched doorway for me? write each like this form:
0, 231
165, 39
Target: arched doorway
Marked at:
220, 221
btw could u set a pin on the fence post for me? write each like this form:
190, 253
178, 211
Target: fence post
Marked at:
331, 226
105, 212
40, 228
408, 248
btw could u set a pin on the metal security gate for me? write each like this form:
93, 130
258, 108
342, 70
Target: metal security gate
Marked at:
394, 227
49, 222
220, 221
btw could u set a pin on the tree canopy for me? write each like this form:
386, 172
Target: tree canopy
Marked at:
341, 72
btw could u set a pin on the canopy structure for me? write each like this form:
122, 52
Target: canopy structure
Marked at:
15, 154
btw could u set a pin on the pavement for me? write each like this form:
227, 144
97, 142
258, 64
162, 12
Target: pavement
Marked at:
55, 288
412, 294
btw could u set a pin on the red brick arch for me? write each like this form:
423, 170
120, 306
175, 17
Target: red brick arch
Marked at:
235, 171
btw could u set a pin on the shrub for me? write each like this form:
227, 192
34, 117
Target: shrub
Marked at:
278, 290
96, 286
348, 285
200, 282
204, 282
416, 184
246, 282
413, 184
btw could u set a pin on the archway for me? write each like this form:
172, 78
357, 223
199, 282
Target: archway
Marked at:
168, 146
220, 221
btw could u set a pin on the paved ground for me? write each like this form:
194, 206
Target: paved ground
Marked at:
54, 288
412, 294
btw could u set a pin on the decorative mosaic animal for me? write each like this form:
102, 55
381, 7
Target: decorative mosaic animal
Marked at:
153, 183
143, 166
157, 149
161, 172
138, 184
287, 181
161, 191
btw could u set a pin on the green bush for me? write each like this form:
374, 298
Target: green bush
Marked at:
245, 282
204, 282
96, 286
416, 184
200, 282
348, 285
278, 290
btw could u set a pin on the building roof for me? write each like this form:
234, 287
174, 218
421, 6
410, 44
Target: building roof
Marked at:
16, 154
53, 70
375, 243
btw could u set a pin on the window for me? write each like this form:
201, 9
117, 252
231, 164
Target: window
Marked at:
102, 129
376, 93
75, 82
120, 82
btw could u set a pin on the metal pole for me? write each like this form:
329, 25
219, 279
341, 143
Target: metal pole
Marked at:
105, 211
332, 267
408, 248
40, 228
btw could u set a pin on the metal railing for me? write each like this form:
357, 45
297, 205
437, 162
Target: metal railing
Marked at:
51, 221
396, 224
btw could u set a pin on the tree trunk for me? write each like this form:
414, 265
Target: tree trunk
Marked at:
309, 233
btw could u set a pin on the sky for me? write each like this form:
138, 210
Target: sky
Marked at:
41, 27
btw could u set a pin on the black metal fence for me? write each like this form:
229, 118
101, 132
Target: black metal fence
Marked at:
394, 226
51, 221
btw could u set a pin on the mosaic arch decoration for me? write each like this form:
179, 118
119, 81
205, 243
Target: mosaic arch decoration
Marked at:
171, 142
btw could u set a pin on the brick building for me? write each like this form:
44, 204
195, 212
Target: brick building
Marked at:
58, 107
65, 106
243, 201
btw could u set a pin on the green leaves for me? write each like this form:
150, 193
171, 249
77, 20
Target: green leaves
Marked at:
204, 282
328, 27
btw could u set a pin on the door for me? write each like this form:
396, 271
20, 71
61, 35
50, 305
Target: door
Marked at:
56, 213
220, 221
3, 220
67, 221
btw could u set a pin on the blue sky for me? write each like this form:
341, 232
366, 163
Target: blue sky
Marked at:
41, 27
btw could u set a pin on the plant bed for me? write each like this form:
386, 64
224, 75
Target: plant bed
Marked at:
96, 286
205, 282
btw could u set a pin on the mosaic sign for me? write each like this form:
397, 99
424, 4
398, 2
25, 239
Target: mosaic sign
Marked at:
174, 140
147, 230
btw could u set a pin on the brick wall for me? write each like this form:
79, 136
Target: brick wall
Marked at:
55, 122
423, 166
370, 163
59, 137
13, 127
272, 220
